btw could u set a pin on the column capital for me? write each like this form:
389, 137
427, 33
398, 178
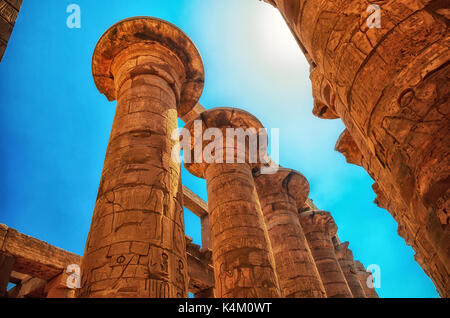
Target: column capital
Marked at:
144, 34
223, 118
319, 218
343, 252
285, 181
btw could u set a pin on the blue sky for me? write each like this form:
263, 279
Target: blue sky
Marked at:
55, 125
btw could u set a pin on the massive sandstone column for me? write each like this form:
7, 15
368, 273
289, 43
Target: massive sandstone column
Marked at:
136, 244
241, 253
363, 276
280, 195
345, 258
389, 85
319, 228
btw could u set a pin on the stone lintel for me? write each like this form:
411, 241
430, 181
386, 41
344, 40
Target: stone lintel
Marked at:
194, 203
35, 257
32, 287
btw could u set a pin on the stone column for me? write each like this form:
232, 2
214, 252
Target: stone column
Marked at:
345, 258
363, 276
389, 85
319, 228
241, 253
205, 232
136, 244
280, 195
6, 266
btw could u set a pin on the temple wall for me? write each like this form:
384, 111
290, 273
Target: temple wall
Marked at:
389, 86
9, 10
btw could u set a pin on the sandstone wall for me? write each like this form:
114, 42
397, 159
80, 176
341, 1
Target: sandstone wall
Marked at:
9, 10
389, 86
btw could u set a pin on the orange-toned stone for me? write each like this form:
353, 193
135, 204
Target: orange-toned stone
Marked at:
389, 85
280, 195
6, 267
241, 253
347, 146
319, 228
206, 293
9, 10
136, 244
324, 98
57, 287
345, 258
363, 276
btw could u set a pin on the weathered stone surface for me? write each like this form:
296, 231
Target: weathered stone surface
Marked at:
200, 208
47, 266
347, 146
324, 98
319, 228
389, 85
34, 257
364, 277
6, 268
57, 287
200, 270
194, 203
9, 10
193, 113
136, 244
242, 257
280, 195
160, 48
206, 293
31, 287
345, 258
